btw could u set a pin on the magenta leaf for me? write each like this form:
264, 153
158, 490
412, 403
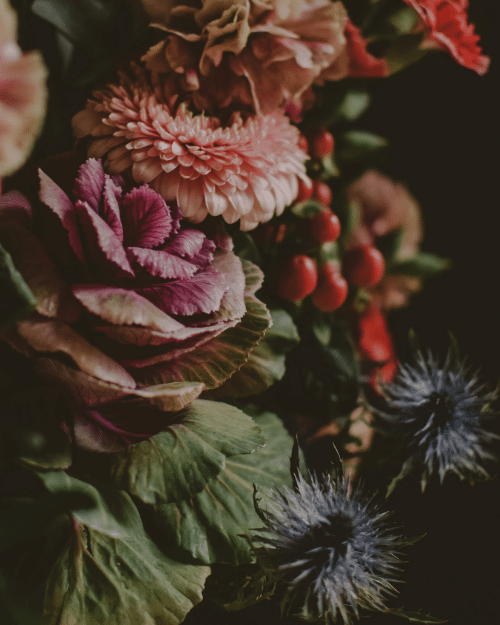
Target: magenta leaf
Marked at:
161, 264
200, 294
205, 256
124, 308
90, 183
54, 336
186, 244
146, 218
60, 204
102, 242
111, 208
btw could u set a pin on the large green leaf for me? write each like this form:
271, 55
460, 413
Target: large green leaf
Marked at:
212, 526
422, 265
266, 362
16, 298
110, 572
178, 462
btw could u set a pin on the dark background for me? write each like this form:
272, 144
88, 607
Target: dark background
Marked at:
442, 121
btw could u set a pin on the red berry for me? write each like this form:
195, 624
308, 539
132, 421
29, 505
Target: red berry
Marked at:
305, 190
325, 226
303, 144
297, 278
322, 192
363, 265
321, 143
332, 289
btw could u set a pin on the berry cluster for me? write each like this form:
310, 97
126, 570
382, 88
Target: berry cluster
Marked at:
299, 275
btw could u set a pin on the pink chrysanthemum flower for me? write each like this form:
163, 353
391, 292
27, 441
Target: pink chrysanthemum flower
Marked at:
446, 27
246, 170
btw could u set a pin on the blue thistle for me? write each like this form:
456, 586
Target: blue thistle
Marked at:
332, 552
437, 416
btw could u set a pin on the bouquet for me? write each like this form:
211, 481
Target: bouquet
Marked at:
204, 409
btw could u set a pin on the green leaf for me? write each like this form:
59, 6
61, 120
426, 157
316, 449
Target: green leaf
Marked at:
266, 362
84, 23
339, 105
423, 265
212, 525
414, 617
177, 463
17, 300
110, 572
359, 146
389, 244
307, 209
405, 51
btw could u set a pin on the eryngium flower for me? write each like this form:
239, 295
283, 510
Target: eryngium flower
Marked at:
437, 414
333, 551
247, 169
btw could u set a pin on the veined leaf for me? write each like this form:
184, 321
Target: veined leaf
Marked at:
178, 462
212, 525
110, 572
266, 362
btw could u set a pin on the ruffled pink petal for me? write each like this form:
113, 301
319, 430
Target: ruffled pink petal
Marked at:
102, 243
161, 264
60, 204
146, 218
200, 294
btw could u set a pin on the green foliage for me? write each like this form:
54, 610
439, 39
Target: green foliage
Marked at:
422, 265
178, 462
322, 373
266, 362
211, 526
110, 571
16, 300
307, 209
359, 147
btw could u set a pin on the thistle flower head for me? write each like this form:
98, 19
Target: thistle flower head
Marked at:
333, 551
438, 415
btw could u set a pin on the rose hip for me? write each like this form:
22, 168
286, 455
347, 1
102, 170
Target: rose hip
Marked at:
325, 226
297, 278
363, 266
322, 192
321, 143
305, 190
332, 288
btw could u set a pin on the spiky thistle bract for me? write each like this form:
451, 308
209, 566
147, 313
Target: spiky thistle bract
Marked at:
437, 416
332, 551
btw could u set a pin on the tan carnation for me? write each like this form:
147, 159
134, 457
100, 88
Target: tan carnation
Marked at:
257, 53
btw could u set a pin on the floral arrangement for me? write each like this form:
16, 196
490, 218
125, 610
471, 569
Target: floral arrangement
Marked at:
202, 401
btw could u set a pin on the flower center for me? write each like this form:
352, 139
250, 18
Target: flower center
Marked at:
440, 409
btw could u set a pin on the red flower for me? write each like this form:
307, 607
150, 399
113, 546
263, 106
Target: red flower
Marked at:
354, 61
446, 27
376, 345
